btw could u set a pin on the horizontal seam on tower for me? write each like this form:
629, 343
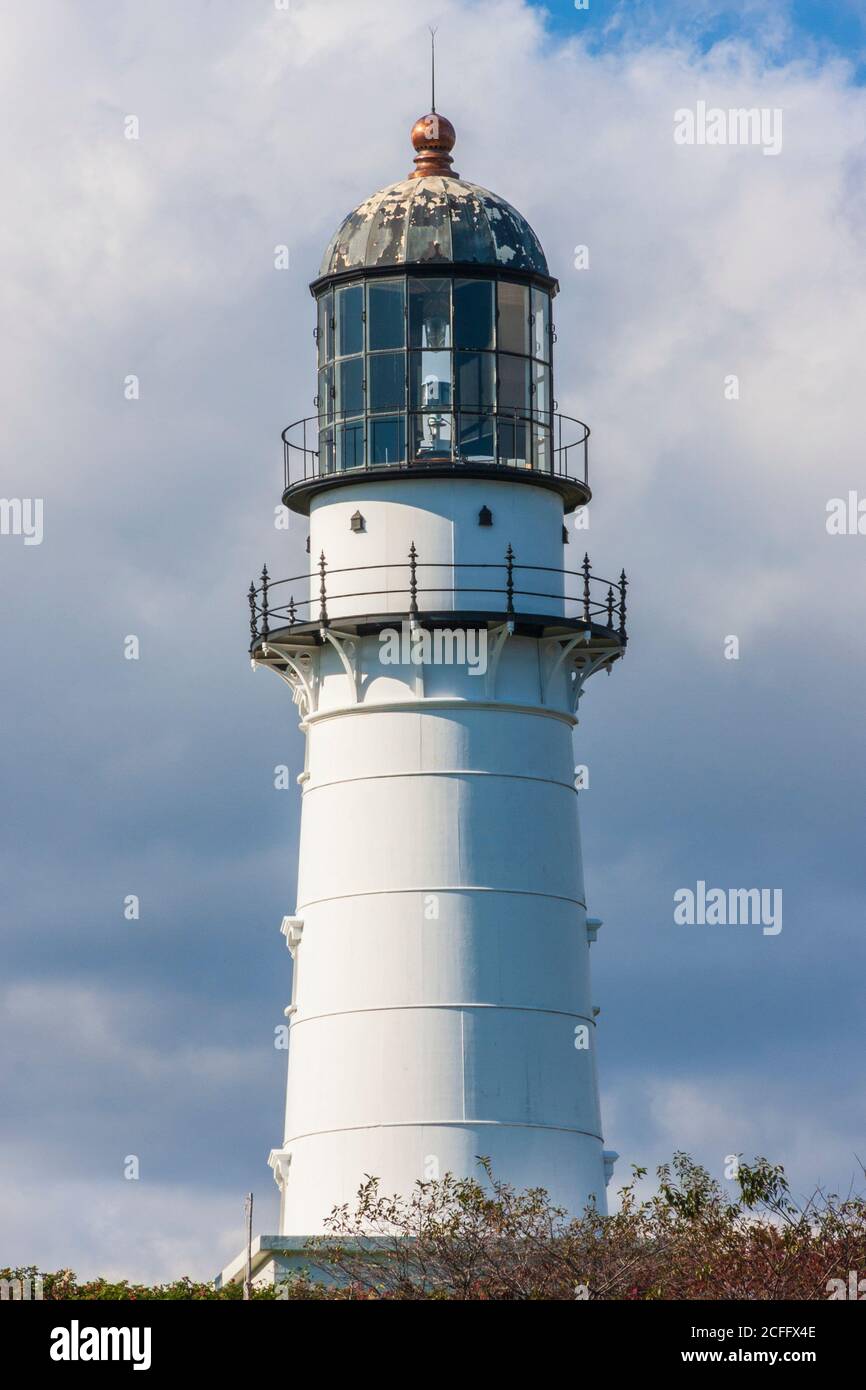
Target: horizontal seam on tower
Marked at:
443, 772
439, 702
447, 1124
397, 1008
427, 889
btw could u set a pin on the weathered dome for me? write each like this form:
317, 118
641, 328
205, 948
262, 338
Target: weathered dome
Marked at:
434, 216
434, 219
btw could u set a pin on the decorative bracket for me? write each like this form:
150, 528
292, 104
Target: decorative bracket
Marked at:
585, 665
347, 647
292, 929
280, 1161
608, 1158
298, 666
565, 646
496, 639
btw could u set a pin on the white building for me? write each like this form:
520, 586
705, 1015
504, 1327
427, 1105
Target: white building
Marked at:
441, 1004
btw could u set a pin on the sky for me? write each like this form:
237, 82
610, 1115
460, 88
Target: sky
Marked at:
154, 257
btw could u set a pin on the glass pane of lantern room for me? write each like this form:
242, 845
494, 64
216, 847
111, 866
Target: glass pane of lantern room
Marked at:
350, 444
388, 439
513, 325
542, 456
326, 392
325, 334
387, 383
326, 449
513, 440
350, 386
473, 314
475, 380
430, 313
541, 392
513, 383
476, 437
432, 436
430, 380
350, 320
386, 316
541, 325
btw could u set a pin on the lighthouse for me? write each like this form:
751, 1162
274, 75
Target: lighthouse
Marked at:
437, 649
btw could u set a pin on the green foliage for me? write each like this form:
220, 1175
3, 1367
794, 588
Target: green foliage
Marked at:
481, 1239
63, 1284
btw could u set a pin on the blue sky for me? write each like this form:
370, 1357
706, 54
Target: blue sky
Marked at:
784, 29
155, 257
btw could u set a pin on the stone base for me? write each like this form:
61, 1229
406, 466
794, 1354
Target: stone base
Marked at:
275, 1258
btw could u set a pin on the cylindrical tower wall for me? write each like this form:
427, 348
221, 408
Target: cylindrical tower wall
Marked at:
443, 1007
442, 520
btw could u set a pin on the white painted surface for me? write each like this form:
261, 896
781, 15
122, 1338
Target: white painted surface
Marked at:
443, 962
441, 517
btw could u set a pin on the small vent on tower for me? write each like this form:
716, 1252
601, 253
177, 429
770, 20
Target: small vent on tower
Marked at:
357, 522
485, 517
308, 545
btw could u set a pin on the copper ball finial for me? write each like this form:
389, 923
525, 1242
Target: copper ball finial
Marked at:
433, 136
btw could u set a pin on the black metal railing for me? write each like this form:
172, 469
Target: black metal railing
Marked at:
322, 446
593, 600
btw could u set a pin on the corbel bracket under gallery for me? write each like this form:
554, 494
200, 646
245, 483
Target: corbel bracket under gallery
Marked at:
586, 663
560, 649
348, 649
496, 639
298, 665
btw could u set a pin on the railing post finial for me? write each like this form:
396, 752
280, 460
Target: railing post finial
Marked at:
323, 605
413, 581
265, 582
623, 585
509, 579
254, 629
610, 606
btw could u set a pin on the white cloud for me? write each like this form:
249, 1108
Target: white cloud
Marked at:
156, 257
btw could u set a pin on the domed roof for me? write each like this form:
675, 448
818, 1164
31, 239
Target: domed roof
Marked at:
433, 217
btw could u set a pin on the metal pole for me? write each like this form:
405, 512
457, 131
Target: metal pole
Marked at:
248, 1276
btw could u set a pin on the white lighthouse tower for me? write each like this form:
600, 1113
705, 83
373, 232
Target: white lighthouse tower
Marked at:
441, 1005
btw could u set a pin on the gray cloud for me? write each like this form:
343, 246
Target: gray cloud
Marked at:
154, 777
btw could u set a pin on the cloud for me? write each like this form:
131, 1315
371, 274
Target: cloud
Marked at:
717, 1117
155, 257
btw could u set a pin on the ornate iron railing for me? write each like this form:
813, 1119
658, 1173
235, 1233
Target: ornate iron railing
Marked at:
594, 601
552, 444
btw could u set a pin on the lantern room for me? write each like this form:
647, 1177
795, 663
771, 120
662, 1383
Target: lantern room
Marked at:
435, 340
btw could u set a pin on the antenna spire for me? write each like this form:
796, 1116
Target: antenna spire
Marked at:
433, 33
